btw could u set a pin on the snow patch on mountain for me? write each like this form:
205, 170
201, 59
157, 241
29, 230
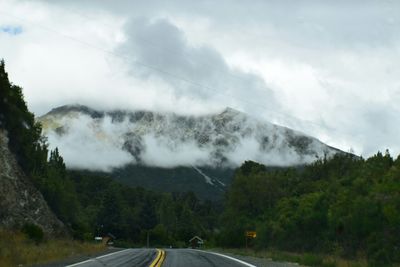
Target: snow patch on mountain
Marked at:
206, 178
99, 140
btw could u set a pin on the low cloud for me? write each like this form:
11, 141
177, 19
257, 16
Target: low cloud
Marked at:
161, 152
169, 140
88, 145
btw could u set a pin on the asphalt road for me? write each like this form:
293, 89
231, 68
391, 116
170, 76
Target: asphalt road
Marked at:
123, 258
174, 258
196, 258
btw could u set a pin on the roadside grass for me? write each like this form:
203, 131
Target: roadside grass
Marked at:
303, 259
16, 249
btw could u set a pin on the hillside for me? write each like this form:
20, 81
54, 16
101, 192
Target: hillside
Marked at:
20, 201
170, 152
158, 139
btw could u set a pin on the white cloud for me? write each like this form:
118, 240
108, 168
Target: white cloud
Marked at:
328, 69
86, 145
168, 140
159, 152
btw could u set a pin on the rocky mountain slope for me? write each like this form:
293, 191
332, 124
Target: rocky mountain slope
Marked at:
173, 147
20, 201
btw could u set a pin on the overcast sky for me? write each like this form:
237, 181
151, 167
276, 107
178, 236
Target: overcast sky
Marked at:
328, 68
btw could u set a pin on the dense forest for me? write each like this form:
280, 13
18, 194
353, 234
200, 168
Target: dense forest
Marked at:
345, 205
91, 204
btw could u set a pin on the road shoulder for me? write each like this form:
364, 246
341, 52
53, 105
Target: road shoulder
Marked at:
260, 262
79, 258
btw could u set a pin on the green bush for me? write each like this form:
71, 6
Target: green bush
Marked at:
329, 264
33, 232
88, 237
125, 244
311, 260
379, 258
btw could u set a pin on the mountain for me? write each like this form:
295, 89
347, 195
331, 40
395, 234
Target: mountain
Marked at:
170, 152
20, 201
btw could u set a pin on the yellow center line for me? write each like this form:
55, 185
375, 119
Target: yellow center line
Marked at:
158, 261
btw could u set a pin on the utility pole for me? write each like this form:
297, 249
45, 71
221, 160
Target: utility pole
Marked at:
148, 238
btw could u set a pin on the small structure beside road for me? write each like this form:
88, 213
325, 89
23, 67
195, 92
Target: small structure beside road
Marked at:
196, 242
107, 239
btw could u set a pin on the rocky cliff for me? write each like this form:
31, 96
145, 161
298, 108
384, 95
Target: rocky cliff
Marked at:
20, 201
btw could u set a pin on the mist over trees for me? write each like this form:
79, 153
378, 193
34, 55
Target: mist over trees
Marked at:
92, 205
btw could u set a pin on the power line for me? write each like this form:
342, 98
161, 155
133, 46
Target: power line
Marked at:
167, 73
147, 41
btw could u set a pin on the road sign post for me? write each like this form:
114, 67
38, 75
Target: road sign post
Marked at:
250, 234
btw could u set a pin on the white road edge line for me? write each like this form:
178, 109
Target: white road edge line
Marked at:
93, 259
82, 262
231, 258
112, 253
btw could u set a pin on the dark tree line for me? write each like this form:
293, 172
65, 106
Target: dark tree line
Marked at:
24, 134
132, 213
345, 205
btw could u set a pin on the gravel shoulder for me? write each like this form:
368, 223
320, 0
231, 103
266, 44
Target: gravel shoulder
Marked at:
260, 262
78, 258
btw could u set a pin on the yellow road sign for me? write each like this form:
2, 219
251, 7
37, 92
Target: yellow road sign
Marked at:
251, 234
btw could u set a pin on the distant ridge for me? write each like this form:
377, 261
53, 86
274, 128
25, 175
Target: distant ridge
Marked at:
170, 152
